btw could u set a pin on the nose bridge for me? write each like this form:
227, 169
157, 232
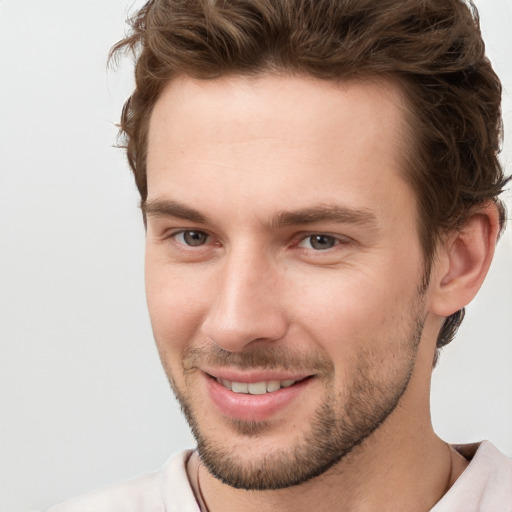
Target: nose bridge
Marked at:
245, 305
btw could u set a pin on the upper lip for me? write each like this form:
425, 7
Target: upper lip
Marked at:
251, 376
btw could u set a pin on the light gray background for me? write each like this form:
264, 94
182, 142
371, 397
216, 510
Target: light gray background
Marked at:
83, 399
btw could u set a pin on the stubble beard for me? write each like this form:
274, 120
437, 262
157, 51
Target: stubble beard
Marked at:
340, 424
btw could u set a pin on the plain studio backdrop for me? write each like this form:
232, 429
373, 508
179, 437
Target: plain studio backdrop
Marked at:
84, 402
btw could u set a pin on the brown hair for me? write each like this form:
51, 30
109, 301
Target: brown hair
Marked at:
432, 48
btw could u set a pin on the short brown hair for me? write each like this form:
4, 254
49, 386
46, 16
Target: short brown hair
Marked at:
432, 48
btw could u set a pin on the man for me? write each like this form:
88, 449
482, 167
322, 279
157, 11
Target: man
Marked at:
319, 184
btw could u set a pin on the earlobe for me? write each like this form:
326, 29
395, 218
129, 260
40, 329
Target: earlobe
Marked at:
463, 261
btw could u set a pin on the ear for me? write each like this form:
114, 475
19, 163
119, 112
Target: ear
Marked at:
463, 261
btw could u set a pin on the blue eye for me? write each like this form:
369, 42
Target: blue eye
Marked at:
192, 238
319, 242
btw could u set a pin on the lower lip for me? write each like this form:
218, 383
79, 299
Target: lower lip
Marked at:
249, 407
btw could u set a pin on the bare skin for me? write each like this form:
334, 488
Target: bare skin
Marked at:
419, 469
282, 245
267, 500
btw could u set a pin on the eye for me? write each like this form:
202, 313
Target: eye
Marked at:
319, 242
191, 238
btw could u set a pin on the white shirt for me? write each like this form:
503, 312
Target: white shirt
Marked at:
485, 486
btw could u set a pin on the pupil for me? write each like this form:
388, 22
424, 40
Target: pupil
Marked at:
194, 237
322, 242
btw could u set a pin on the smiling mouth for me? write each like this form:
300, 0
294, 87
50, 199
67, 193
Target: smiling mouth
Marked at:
256, 388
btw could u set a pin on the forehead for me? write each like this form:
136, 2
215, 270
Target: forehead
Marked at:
265, 104
272, 139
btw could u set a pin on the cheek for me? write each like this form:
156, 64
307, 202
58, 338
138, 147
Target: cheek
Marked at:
176, 304
348, 311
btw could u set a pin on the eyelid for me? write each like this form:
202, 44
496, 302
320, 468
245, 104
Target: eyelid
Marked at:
173, 234
300, 238
339, 240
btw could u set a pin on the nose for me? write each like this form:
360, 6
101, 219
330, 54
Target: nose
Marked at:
245, 307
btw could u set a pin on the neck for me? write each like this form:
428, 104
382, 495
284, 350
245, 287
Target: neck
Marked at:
402, 477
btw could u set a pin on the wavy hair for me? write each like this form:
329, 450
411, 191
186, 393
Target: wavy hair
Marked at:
432, 48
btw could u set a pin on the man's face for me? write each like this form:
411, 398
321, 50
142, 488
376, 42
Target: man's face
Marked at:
283, 268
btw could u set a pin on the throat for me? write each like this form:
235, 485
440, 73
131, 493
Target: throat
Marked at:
340, 489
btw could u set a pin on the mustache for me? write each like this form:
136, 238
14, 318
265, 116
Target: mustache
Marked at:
266, 358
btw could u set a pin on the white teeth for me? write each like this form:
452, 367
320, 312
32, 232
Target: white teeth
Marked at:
256, 388
239, 387
273, 385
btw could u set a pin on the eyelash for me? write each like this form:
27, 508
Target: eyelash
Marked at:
335, 241
331, 238
189, 231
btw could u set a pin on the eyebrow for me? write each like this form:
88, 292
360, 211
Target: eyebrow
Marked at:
325, 213
169, 208
321, 213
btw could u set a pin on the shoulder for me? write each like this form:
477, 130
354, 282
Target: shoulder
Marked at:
138, 494
497, 468
485, 485
166, 490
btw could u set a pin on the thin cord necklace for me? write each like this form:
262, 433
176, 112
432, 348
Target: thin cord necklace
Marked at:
202, 502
